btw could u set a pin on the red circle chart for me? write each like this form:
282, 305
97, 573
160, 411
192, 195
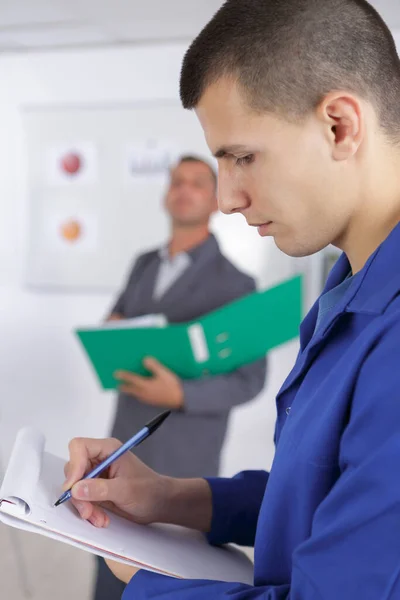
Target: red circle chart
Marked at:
71, 163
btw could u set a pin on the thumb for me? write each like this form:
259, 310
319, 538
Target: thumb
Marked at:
154, 366
97, 490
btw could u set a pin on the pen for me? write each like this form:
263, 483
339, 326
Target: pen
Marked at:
137, 439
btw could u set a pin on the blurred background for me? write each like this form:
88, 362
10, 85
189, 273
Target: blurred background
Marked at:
99, 79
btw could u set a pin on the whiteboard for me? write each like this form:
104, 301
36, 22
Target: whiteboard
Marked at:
93, 203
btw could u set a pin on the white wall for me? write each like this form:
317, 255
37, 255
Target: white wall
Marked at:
43, 379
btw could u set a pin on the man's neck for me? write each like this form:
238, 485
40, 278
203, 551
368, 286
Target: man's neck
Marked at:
366, 240
184, 239
378, 212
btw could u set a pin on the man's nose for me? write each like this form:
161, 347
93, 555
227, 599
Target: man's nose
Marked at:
232, 198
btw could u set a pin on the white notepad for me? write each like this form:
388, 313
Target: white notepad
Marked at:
33, 482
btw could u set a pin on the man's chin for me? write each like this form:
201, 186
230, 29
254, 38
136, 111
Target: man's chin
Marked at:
296, 250
188, 223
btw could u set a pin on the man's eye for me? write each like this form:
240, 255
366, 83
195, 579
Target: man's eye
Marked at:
245, 160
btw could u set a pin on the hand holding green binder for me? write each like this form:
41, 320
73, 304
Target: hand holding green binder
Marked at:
219, 342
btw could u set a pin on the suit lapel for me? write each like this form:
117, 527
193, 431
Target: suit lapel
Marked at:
145, 286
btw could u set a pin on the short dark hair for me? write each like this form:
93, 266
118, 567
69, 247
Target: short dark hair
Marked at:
191, 158
286, 55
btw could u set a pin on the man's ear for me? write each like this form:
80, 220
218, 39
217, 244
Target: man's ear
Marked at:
344, 117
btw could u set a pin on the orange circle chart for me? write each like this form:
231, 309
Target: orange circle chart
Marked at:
71, 230
71, 163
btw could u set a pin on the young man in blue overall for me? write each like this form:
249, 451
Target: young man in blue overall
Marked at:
300, 102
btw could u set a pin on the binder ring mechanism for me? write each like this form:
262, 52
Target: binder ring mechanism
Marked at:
221, 339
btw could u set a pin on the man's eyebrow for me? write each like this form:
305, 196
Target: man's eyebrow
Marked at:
224, 150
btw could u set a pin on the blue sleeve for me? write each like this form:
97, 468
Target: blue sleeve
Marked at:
353, 551
149, 586
236, 506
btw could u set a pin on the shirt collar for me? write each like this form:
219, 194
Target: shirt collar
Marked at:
206, 248
377, 283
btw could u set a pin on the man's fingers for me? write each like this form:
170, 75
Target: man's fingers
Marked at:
131, 390
154, 366
83, 454
130, 378
92, 513
98, 490
67, 468
99, 518
85, 509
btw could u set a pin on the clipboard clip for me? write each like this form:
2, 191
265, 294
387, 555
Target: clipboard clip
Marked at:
14, 506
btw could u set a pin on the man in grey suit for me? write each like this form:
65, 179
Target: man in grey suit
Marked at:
183, 280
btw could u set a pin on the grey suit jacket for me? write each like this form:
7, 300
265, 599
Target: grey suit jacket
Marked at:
190, 441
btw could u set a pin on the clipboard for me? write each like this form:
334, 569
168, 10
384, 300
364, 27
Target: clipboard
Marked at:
33, 481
